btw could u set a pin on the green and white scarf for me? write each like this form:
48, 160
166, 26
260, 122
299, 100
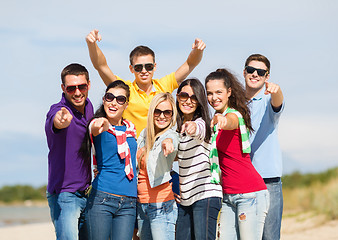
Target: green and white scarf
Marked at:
213, 156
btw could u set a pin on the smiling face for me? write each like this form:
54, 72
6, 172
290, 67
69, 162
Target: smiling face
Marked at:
77, 98
162, 121
218, 95
113, 109
144, 77
187, 107
253, 81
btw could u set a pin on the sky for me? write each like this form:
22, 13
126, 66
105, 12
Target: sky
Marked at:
40, 38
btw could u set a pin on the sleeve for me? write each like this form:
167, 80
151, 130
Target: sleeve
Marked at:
274, 116
49, 126
200, 130
125, 81
167, 83
141, 140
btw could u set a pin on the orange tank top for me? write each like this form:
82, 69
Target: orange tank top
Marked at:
146, 194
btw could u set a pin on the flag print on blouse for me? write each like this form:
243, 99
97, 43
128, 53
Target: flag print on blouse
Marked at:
246, 148
122, 145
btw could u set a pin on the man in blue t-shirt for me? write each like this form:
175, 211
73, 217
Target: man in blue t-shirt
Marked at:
267, 104
68, 174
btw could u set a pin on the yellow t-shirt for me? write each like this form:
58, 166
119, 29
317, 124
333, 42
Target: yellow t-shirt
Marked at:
139, 101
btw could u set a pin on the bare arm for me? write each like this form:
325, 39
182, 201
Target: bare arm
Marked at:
98, 59
193, 60
228, 122
276, 94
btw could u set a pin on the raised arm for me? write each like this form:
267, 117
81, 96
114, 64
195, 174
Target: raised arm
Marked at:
192, 61
98, 59
276, 94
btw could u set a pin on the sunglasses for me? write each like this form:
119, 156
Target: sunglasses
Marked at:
109, 97
183, 97
260, 72
139, 67
166, 113
82, 87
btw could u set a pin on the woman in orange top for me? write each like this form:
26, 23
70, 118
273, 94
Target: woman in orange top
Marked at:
156, 208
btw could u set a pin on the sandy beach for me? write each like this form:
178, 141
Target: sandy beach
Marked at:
295, 228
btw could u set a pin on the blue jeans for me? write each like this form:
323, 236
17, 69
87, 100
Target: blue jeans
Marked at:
157, 220
67, 214
199, 220
273, 220
242, 215
110, 216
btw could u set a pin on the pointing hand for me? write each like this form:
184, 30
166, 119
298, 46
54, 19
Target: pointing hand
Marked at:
271, 88
62, 118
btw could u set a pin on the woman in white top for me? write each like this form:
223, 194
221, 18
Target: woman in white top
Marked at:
200, 197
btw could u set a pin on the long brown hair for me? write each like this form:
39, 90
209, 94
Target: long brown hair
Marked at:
237, 99
202, 110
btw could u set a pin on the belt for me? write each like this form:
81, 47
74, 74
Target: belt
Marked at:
271, 180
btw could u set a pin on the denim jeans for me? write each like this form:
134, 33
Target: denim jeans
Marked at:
242, 215
199, 220
273, 220
156, 220
110, 216
67, 211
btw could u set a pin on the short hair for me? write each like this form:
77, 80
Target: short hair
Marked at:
74, 69
259, 58
141, 51
119, 84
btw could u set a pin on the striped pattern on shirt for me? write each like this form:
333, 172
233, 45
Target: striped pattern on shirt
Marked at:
194, 167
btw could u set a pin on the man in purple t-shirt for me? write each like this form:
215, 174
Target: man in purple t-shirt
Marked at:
69, 175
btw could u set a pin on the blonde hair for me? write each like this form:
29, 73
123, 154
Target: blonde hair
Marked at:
151, 134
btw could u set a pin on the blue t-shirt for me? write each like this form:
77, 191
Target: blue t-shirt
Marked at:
111, 177
265, 153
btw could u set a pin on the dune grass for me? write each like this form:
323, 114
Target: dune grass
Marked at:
312, 193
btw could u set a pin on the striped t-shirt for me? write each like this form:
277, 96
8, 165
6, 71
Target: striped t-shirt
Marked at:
194, 167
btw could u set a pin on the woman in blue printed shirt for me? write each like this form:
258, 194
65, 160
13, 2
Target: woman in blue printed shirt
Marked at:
111, 207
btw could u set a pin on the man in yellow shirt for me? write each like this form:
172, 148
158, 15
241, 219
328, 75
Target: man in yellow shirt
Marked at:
143, 66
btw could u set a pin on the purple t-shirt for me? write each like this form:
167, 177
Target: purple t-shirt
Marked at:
66, 169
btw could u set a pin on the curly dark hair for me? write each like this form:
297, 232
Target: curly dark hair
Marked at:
237, 99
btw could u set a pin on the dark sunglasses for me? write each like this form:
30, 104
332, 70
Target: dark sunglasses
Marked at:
139, 67
260, 72
166, 113
81, 87
183, 97
109, 97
